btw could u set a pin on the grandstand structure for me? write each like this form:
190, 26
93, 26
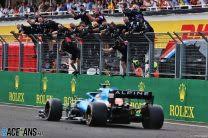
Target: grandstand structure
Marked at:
20, 8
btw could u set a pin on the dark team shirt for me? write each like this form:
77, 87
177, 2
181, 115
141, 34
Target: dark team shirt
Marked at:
127, 26
70, 46
28, 30
34, 28
141, 26
102, 27
84, 18
50, 26
133, 14
41, 28
64, 32
121, 27
137, 21
122, 48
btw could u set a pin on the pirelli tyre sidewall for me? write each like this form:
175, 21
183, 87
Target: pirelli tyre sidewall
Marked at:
53, 110
152, 117
96, 114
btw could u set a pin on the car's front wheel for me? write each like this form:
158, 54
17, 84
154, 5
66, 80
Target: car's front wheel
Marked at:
53, 110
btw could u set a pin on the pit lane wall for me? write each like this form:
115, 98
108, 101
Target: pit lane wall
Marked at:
181, 99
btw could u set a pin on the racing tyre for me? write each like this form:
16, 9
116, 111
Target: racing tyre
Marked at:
96, 114
53, 110
152, 117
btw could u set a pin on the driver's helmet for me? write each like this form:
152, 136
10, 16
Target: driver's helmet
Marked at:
136, 63
105, 84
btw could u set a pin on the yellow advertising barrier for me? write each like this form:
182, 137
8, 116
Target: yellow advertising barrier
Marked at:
180, 26
5, 30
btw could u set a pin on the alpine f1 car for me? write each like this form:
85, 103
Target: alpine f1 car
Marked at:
108, 105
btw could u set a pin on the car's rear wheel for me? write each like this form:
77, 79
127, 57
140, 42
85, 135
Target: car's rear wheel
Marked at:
96, 114
53, 110
152, 117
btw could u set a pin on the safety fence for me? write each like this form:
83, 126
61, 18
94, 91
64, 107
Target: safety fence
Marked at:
164, 55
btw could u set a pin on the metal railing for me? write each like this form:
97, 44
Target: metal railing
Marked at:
193, 55
164, 55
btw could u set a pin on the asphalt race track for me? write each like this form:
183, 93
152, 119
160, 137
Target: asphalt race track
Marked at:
22, 117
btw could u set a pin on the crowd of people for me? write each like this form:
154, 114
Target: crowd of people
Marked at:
110, 6
49, 30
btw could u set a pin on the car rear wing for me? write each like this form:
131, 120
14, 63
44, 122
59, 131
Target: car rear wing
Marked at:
131, 95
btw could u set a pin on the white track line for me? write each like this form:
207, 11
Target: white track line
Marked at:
166, 122
188, 125
21, 107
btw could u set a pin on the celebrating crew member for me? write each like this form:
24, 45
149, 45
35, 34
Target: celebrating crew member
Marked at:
120, 46
83, 15
136, 20
70, 46
98, 17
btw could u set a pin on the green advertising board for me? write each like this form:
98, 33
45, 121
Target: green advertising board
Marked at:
181, 99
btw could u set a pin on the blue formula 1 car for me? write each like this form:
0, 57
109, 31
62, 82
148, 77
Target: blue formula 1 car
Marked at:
108, 105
